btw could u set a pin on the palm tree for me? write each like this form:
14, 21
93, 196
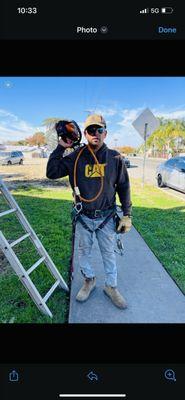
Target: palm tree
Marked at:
50, 122
50, 134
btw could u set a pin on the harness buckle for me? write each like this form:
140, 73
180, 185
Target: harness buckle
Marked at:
97, 213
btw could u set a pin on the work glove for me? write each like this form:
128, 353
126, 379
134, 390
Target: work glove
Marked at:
125, 224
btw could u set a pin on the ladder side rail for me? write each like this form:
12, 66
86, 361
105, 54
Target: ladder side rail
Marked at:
23, 276
54, 271
24, 222
7, 195
48, 261
33, 237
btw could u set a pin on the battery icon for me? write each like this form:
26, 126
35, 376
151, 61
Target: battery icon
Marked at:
166, 10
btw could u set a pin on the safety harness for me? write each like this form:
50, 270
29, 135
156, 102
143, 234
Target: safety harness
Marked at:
111, 214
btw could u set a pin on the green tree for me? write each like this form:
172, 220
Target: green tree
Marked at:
169, 136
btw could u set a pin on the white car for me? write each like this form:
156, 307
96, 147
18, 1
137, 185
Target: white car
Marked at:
172, 173
11, 157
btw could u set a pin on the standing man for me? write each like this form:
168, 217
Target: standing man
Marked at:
97, 184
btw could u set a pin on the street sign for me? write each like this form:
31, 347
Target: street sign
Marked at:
146, 117
145, 124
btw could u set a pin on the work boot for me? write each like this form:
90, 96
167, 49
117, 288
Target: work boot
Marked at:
115, 296
88, 286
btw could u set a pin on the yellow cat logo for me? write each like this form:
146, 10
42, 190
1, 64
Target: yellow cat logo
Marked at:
94, 171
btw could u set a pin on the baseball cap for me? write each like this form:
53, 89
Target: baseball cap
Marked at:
95, 119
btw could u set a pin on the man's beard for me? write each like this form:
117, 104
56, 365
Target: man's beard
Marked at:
94, 146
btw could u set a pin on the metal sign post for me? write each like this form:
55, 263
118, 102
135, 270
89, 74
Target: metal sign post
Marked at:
144, 158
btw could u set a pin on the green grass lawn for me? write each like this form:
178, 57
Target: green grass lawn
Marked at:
48, 212
157, 216
160, 219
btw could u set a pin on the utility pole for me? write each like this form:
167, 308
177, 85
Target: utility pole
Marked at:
115, 140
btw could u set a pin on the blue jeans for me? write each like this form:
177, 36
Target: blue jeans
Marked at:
106, 241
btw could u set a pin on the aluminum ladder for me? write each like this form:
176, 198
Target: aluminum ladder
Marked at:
24, 275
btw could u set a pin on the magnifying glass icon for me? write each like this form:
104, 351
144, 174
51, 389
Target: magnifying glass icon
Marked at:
170, 375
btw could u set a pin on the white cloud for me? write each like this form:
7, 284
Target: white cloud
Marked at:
105, 111
129, 115
178, 114
4, 113
14, 128
124, 134
124, 137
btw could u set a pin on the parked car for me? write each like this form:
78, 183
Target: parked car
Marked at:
172, 173
127, 162
11, 157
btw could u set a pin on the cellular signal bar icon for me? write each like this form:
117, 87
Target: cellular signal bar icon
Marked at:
145, 11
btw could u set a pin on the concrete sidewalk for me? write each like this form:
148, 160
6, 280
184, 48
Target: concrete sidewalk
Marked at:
152, 296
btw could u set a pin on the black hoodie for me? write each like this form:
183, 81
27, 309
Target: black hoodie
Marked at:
113, 169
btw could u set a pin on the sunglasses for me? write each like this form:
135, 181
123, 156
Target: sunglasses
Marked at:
91, 130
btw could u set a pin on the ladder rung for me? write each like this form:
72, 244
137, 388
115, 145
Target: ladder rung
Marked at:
48, 294
20, 239
7, 212
35, 265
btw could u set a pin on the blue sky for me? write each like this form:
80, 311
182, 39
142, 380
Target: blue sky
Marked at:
26, 102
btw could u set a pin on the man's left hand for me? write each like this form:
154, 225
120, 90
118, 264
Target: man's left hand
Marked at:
125, 224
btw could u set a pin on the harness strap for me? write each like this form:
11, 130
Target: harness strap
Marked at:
106, 220
101, 226
79, 218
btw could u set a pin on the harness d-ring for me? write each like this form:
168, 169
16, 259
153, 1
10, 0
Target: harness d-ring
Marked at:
78, 207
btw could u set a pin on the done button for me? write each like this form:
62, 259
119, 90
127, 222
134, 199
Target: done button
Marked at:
164, 29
